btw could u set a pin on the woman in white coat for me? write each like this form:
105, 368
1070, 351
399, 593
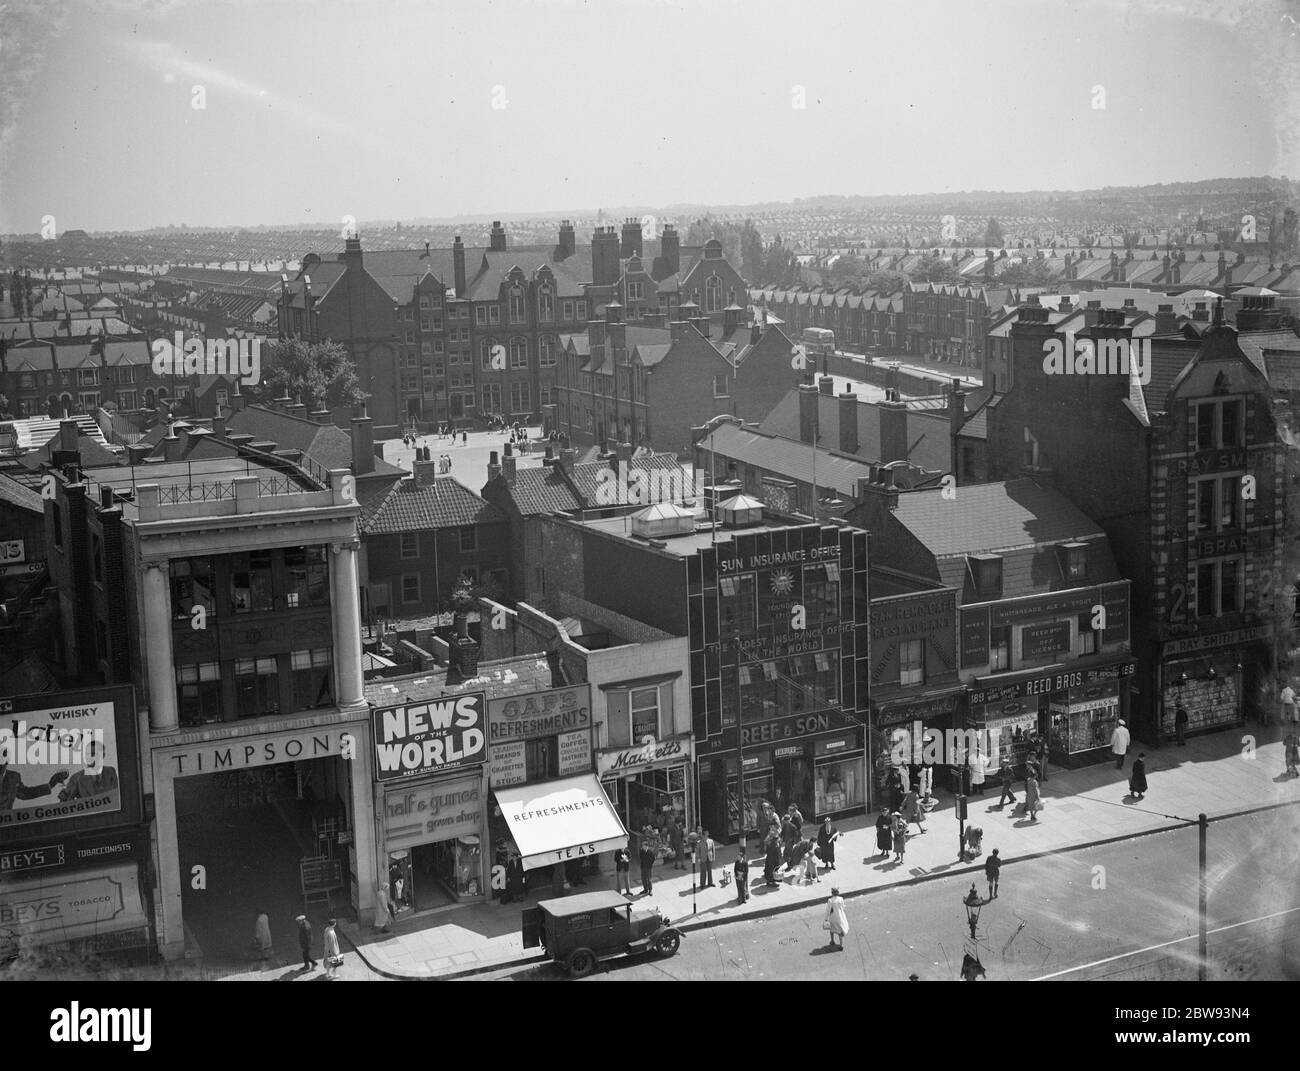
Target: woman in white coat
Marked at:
978, 764
333, 957
837, 922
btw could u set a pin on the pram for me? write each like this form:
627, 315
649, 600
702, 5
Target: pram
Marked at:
974, 841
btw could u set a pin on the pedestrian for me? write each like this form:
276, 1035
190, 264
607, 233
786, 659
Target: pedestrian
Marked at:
383, 910
1031, 798
1008, 779
742, 877
884, 833
330, 950
772, 861
623, 869
262, 936
796, 816
789, 838
1040, 753
1119, 741
647, 857
992, 870
1180, 724
912, 811
837, 920
1137, 779
676, 839
516, 888
896, 790
899, 830
766, 818
304, 942
1292, 745
706, 849
927, 767
464, 438
810, 873
979, 763
826, 838
1288, 703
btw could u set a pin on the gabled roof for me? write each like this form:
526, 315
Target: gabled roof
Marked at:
992, 518
326, 445
586, 477
444, 503
543, 490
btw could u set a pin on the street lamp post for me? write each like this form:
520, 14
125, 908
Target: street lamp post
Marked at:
973, 907
1202, 953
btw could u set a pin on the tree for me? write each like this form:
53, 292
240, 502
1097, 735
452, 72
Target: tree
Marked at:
16, 292
934, 270
1027, 273
887, 281
316, 373
5, 414
993, 235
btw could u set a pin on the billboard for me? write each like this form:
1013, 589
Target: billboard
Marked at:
59, 762
439, 734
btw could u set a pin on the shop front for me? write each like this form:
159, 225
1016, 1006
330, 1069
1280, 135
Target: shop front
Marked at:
220, 793
431, 796
648, 784
560, 822
1218, 679
1076, 710
79, 891
433, 836
533, 739
916, 734
811, 760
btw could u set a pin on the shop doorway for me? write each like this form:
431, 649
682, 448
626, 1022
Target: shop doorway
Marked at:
247, 831
434, 875
793, 782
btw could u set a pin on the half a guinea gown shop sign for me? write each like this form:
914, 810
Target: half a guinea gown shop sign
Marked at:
438, 734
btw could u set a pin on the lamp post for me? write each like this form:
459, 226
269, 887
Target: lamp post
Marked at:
971, 967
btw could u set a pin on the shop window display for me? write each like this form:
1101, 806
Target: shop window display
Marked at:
840, 786
1075, 730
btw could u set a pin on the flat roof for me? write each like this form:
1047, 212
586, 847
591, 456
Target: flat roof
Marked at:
684, 546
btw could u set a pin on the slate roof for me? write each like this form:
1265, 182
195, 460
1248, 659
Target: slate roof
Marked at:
327, 445
445, 503
586, 477
788, 458
992, 517
16, 494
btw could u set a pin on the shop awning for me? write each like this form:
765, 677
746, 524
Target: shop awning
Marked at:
560, 820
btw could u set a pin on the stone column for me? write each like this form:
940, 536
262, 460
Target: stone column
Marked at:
345, 614
163, 715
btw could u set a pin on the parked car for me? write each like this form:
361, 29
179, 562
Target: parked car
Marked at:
579, 931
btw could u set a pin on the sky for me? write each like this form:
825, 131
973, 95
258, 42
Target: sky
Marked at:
403, 109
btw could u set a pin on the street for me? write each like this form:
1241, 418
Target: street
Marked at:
1103, 913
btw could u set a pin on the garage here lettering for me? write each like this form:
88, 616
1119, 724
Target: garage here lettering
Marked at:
434, 735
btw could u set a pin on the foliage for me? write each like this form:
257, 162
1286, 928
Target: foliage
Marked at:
993, 235
312, 372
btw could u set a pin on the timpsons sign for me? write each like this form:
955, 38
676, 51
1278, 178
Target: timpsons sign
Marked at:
440, 734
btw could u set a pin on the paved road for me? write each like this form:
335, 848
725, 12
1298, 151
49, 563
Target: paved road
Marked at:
1082, 915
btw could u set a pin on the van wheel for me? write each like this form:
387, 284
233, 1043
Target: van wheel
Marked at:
668, 944
581, 963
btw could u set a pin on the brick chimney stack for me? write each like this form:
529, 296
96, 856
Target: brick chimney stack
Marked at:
363, 444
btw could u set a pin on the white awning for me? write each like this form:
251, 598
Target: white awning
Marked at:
561, 820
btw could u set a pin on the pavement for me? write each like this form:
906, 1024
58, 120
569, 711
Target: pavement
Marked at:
1222, 774
469, 462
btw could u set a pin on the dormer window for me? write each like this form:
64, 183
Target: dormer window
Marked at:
1074, 561
986, 573
517, 313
